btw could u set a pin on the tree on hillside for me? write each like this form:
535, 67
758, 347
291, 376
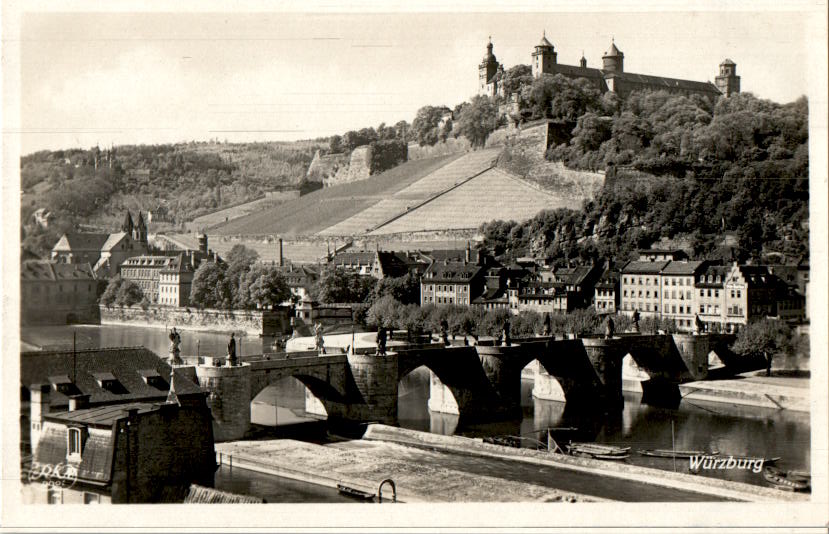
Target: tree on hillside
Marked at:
764, 338
425, 127
335, 144
516, 78
478, 120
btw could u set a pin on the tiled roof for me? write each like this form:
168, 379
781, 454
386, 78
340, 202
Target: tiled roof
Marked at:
545, 43
683, 267
727, 62
713, 271
79, 242
613, 51
101, 416
644, 267
113, 240
351, 258
123, 362
452, 271
661, 82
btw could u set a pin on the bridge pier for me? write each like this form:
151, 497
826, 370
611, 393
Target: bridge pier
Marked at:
376, 380
228, 398
606, 357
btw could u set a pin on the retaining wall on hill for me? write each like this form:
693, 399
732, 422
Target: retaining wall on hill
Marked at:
450, 146
254, 322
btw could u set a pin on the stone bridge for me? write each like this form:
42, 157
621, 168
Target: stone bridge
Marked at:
484, 381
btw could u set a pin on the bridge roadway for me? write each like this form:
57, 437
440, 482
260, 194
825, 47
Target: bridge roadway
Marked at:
485, 381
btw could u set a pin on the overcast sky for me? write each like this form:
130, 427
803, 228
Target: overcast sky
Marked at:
104, 78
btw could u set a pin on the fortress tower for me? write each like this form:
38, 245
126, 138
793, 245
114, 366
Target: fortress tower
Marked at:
544, 57
728, 82
139, 232
613, 60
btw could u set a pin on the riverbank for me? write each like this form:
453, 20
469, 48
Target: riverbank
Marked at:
752, 389
433, 468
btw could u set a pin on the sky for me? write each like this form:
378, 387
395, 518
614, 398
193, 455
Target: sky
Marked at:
128, 78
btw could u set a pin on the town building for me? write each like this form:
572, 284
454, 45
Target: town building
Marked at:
57, 293
134, 452
678, 303
750, 293
611, 77
165, 278
175, 281
104, 252
355, 262
606, 293
641, 288
452, 282
709, 297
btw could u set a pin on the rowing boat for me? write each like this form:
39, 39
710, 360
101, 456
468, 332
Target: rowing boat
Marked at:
354, 492
598, 451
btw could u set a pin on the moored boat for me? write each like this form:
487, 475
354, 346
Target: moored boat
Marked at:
354, 492
669, 453
787, 480
599, 451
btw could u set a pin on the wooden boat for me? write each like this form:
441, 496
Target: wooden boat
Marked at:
668, 453
787, 480
598, 451
354, 492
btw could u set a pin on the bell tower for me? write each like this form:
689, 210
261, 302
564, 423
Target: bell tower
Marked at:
487, 69
613, 60
728, 82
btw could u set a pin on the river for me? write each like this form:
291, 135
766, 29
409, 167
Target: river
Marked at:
738, 430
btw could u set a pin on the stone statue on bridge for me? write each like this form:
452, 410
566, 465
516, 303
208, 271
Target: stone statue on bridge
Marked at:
175, 351
232, 360
319, 341
444, 331
609, 327
507, 340
699, 326
636, 321
381, 341
548, 325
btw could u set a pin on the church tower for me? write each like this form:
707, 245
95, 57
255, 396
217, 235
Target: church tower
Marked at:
139, 233
487, 69
544, 57
127, 226
613, 60
728, 82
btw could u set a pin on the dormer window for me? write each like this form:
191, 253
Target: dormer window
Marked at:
108, 382
153, 379
62, 384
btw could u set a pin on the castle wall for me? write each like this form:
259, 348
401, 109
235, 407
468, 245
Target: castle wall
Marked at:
358, 168
444, 148
323, 167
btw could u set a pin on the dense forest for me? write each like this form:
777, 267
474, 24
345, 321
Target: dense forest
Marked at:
186, 180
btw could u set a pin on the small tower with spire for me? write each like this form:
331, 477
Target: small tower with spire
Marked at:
583, 61
127, 227
139, 232
613, 60
544, 57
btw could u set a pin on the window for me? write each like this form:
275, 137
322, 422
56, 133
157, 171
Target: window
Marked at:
701, 292
74, 445
673, 308
688, 294
702, 308
738, 293
656, 294
717, 293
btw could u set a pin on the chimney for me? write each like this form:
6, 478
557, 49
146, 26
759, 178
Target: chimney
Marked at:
281, 260
193, 260
468, 252
78, 402
203, 243
38, 408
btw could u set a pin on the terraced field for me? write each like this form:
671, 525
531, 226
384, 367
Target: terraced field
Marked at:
491, 195
420, 191
323, 208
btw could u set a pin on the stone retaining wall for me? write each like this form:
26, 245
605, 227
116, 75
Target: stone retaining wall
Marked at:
254, 322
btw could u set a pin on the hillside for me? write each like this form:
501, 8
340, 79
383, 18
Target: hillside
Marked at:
320, 209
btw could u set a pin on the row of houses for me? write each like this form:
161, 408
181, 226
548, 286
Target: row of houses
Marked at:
660, 284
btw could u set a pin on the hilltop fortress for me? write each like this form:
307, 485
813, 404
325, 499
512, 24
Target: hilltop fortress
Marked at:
610, 78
